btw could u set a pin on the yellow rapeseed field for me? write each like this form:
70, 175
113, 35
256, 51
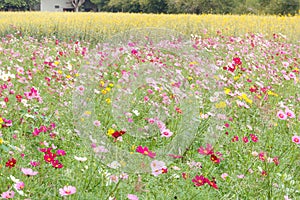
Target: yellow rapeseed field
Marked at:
97, 26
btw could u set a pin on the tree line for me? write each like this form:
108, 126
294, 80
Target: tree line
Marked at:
281, 7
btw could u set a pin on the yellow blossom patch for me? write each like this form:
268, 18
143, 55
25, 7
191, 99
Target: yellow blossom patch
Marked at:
221, 104
227, 90
110, 132
108, 100
272, 93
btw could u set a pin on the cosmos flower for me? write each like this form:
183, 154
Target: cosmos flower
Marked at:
67, 190
145, 151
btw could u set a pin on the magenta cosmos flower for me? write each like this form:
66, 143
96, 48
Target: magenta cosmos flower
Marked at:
145, 151
209, 150
199, 180
67, 190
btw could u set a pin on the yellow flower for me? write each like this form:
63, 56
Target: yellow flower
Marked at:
221, 104
76, 74
133, 147
87, 112
108, 100
56, 62
59, 71
111, 85
272, 93
190, 78
193, 63
227, 90
101, 83
107, 89
103, 91
236, 77
244, 96
1, 140
1, 120
68, 76
110, 131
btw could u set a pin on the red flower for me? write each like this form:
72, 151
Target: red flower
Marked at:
199, 180
262, 156
184, 175
215, 159
11, 163
235, 138
237, 61
19, 98
254, 138
56, 164
206, 151
145, 151
117, 134
49, 157
45, 150
276, 160
245, 139
212, 183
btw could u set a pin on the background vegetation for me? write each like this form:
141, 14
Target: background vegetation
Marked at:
282, 7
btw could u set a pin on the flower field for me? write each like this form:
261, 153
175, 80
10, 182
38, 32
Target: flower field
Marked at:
95, 27
98, 106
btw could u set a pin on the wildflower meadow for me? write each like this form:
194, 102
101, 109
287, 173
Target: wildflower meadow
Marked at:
134, 106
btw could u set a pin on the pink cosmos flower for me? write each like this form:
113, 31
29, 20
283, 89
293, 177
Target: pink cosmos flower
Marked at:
158, 167
132, 197
289, 113
114, 178
241, 176
166, 133
224, 175
28, 172
97, 123
80, 89
145, 151
281, 115
8, 194
67, 190
19, 186
206, 151
296, 139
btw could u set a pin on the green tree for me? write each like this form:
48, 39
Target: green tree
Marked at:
101, 4
31, 3
283, 7
124, 5
15, 4
153, 6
